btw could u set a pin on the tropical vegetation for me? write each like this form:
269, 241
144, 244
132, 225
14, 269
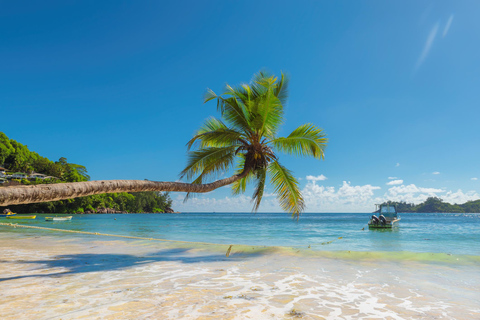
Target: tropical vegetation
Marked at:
17, 157
437, 205
140, 202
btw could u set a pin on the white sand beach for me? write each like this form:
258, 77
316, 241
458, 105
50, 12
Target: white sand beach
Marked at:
52, 278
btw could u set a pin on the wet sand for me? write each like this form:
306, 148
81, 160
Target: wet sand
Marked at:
59, 278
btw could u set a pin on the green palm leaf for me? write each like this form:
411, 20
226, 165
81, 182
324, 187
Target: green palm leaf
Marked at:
306, 140
240, 185
260, 187
208, 161
214, 133
286, 188
281, 89
233, 111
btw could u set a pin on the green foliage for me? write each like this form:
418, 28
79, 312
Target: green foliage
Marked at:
434, 205
17, 158
141, 202
246, 138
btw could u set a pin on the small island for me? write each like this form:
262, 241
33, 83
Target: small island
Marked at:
435, 205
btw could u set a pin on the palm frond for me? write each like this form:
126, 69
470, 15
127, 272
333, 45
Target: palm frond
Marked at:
233, 111
260, 176
214, 133
281, 89
262, 81
306, 140
286, 188
209, 95
271, 112
240, 185
208, 161
266, 110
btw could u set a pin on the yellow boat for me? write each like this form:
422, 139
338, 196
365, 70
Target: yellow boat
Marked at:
20, 217
7, 214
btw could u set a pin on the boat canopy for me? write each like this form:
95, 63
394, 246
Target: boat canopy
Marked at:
389, 211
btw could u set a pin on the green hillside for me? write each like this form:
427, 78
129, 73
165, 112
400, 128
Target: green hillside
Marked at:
16, 158
434, 204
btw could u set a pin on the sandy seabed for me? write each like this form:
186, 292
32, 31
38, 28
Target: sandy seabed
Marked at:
46, 277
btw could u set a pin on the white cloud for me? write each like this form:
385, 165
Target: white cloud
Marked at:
427, 46
394, 182
392, 178
321, 198
436, 172
397, 165
316, 178
412, 194
460, 197
411, 188
447, 26
240, 203
474, 179
347, 198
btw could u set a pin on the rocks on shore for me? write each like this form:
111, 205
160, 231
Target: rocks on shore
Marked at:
114, 211
106, 210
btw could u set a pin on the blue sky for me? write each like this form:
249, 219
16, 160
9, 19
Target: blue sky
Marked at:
118, 86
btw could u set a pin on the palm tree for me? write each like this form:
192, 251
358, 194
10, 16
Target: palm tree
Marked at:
247, 137
252, 115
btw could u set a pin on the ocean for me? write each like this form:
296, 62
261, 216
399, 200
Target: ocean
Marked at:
417, 232
323, 266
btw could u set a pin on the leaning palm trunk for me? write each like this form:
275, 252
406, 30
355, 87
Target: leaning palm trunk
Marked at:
62, 191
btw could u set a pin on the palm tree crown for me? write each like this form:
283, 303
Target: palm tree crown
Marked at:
247, 137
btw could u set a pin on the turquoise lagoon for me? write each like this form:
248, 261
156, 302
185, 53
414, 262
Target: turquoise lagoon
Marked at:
449, 233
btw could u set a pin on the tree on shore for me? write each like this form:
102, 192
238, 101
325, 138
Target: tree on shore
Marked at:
245, 137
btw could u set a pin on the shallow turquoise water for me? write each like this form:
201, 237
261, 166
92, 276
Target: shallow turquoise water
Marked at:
426, 232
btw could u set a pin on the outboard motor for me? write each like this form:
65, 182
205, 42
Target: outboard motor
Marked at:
382, 219
375, 219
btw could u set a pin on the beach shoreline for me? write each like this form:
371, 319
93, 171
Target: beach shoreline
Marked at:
127, 279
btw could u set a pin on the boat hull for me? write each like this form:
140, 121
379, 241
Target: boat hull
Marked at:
58, 218
6, 215
388, 225
21, 217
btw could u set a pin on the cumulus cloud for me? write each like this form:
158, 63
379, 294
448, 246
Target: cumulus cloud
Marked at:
394, 182
240, 203
436, 172
460, 197
347, 198
316, 178
321, 198
474, 179
427, 46
412, 193
411, 188
447, 26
